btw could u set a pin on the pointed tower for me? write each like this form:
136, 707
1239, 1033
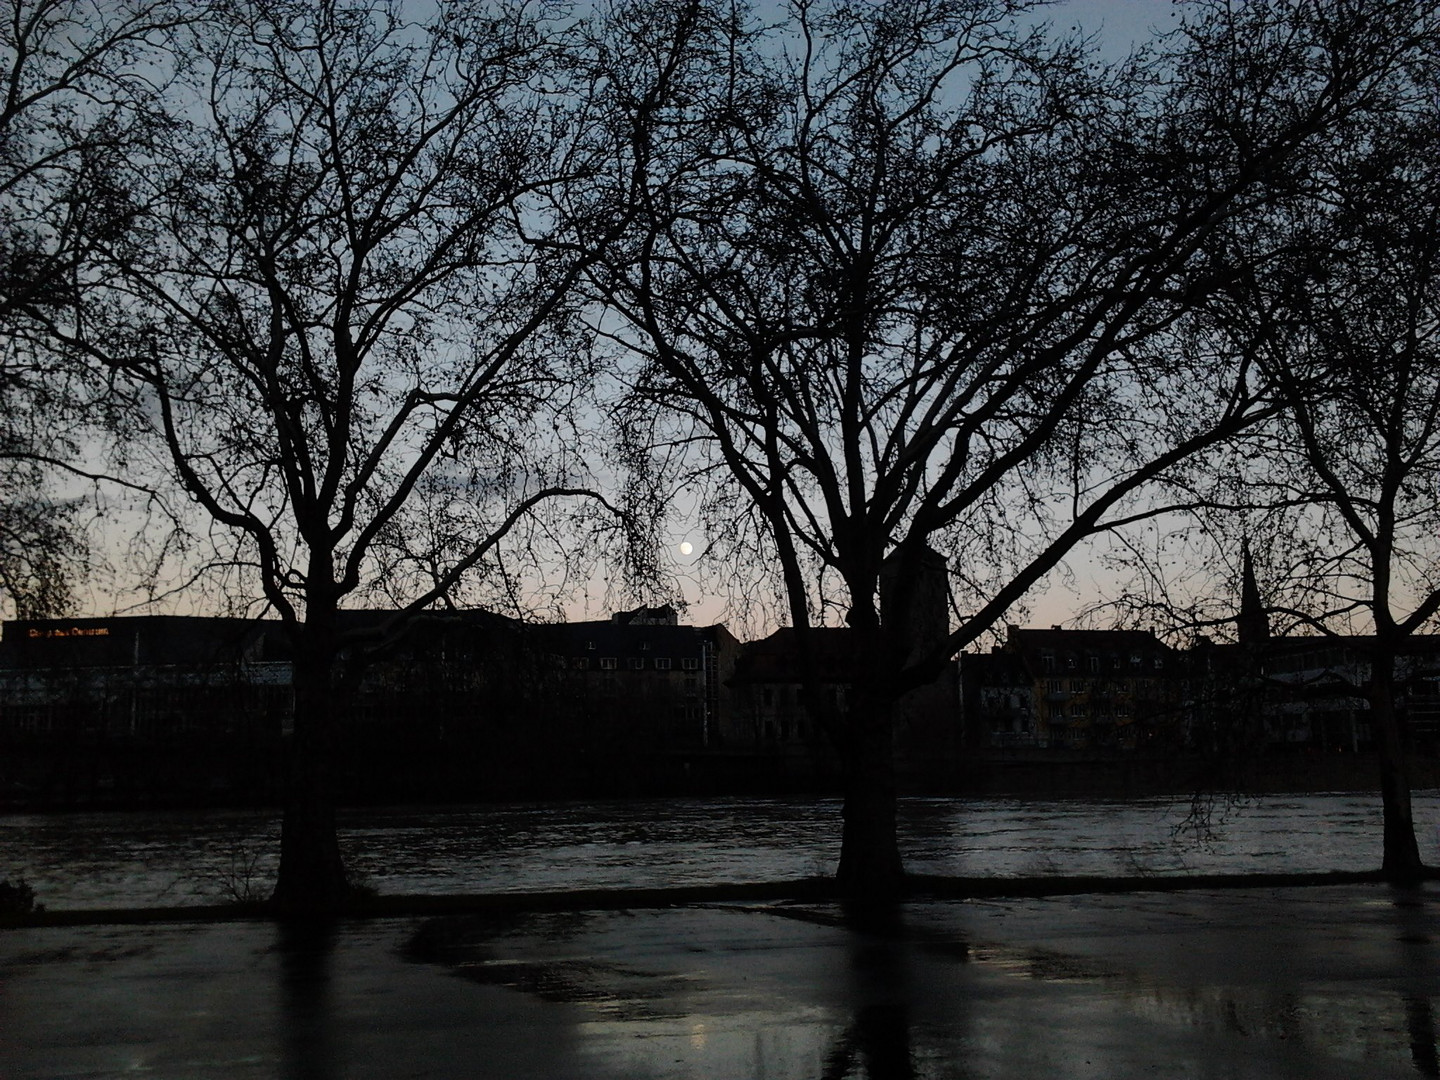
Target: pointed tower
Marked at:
1252, 625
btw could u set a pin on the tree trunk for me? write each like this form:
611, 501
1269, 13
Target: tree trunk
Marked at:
870, 865
1401, 864
312, 880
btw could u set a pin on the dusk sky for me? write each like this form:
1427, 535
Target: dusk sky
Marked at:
1117, 24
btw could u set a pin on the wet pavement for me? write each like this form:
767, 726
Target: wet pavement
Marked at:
1312, 982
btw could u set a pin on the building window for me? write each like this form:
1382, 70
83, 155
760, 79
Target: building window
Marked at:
607, 663
662, 663
1047, 661
637, 663
582, 663
1094, 664
689, 663
1077, 685
1056, 686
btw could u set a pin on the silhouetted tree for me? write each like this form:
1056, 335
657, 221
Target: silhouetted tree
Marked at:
912, 276
344, 316
1349, 325
1340, 489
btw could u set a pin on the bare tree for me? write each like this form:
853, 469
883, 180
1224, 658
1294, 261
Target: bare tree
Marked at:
80, 80
1338, 493
1349, 325
912, 276
345, 318
77, 84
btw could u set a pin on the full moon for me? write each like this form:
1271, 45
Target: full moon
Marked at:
686, 547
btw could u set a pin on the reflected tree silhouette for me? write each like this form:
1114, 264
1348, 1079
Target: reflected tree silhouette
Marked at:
1414, 930
1420, 1021
307, 1050
877, 1040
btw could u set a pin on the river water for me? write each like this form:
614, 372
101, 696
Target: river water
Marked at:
163, 858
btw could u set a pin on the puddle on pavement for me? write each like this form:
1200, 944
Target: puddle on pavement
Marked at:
1039, 964
616, 993
905, 995
482, 950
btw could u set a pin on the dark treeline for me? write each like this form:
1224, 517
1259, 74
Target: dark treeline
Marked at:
335, 305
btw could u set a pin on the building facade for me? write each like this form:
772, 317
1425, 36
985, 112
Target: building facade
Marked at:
448, 704
1317, 689
1082, 689
643, 678
124, 709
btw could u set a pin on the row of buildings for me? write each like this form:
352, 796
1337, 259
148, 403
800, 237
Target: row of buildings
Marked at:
470, 704
460, 704
1125, 689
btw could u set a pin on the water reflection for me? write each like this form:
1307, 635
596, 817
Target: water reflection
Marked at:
1292, 973
877, 1039
1245, 985
1357, 1026
304, 1023
1420, 1020
1414, 939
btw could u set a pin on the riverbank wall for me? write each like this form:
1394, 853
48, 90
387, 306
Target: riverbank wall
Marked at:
198, 774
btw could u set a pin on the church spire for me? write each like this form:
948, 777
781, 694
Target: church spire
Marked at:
1252, 625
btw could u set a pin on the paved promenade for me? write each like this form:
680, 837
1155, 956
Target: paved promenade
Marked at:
1334, 981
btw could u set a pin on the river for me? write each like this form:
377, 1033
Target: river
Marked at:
163, 858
